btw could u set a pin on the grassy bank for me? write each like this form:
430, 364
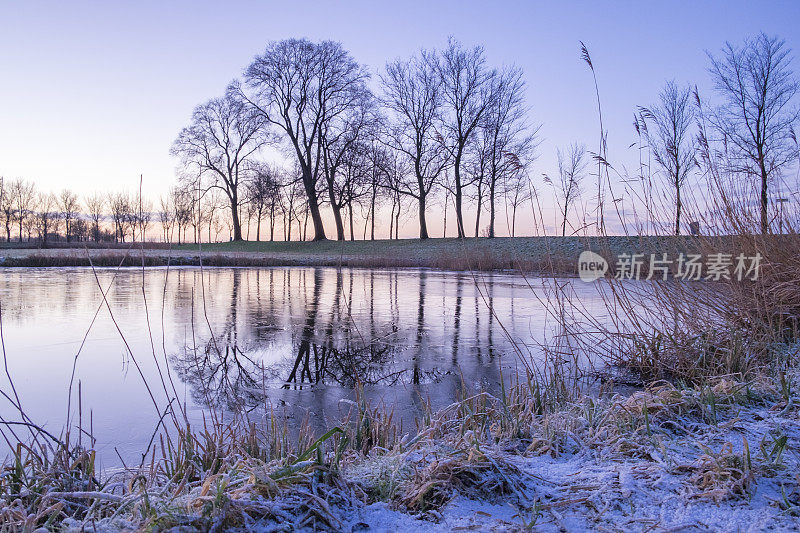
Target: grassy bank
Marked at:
663, 459
529, 254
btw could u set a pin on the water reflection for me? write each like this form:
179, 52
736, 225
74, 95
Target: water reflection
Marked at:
337, 327
239, 337
329, 343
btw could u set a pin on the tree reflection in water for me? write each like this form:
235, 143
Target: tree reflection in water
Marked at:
218, 370
226, 369
295, 337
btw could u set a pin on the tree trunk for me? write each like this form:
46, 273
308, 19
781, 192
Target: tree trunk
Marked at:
678, 210
444, 229
337, 217
237, 227
459, 215
372, 215
272, 221
350, 212
457, 198
397, 221
423, 224
478, 216
514, 221
764, 198
391, 220
313, 206
491, 208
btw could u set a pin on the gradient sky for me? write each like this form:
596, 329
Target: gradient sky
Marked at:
92, 94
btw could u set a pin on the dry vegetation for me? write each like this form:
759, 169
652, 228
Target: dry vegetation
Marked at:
705, 440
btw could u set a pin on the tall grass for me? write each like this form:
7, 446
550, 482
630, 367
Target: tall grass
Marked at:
742, 323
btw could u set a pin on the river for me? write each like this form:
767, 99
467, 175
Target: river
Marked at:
296, 339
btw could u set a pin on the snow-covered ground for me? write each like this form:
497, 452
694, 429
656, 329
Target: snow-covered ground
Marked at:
720, 459
713, 458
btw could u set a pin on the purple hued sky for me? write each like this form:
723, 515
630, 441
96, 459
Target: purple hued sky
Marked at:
92, 94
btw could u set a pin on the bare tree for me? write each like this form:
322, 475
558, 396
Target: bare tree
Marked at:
571, 164
668, 125
412, 93
379, 162
210, 209
342, 142
301, 87
143, 215
95, 208
80, 230
192, 197
262, 194
467, 86
46, 215
508, 141
517, 191
70, 210
291, 204
120, 208
224, 135
166, 217
344, 159
357, 171
182, 202
757, 86
217, 225
476, 166
7, 205
24, 195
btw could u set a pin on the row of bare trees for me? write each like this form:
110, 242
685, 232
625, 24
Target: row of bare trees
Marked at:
28, 212
445, 125
272, 206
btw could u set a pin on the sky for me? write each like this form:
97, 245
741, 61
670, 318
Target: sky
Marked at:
92, 94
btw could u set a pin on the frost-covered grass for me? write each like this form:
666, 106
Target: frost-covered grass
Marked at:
721, 456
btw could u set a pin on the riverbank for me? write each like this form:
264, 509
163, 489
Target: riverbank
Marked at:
529, 254
720, 457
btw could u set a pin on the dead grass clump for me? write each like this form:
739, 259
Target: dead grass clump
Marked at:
473, 472
46, 482
721, 475
694, 332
